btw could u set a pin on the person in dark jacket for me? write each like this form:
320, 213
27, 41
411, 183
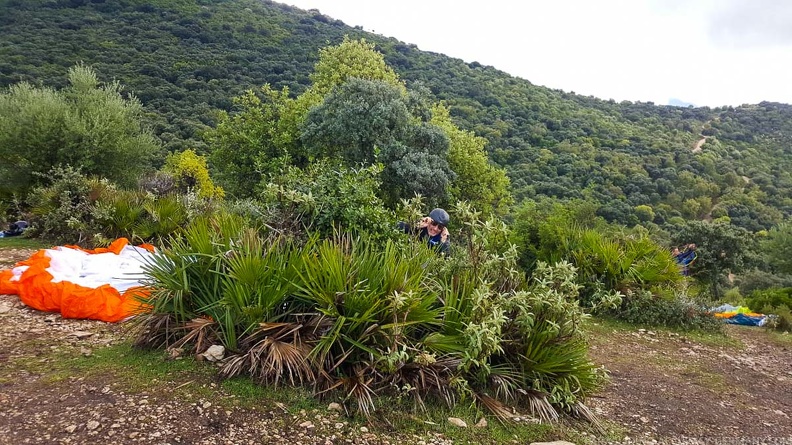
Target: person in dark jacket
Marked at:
433, 229
686, 258
15, 229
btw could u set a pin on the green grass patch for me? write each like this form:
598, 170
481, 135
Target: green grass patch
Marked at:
600, 328
711, 339
783, 339
143, 370
19, 242
401, 415
597, 327
249, 394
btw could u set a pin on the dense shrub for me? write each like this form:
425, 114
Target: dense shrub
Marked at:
62, 210
757, 279
75, 209
191, 174
324, 198
660, 310
369, 317
87, 125
777, 302
609, 258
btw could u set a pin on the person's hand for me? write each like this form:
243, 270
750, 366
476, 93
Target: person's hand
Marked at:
425, 221
444, 235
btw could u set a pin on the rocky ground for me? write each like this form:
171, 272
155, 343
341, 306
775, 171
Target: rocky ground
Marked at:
665, 388
665, 385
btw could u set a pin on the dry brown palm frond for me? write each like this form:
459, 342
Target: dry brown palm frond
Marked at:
358, 388
498, 409
154, 331
274, 351
427, 379
538, 405
201, 331
505, 381
581, 411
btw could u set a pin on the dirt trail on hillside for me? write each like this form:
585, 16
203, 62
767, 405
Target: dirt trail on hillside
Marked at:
664, 388
697, 147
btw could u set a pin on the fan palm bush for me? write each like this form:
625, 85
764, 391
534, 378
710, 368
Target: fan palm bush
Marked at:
118, 212
377, 302
360, 317
612, 262
188, 281
139, 216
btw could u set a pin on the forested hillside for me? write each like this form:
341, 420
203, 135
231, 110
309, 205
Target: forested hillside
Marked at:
185, 60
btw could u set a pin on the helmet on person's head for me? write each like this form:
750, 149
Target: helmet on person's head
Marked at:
440, 216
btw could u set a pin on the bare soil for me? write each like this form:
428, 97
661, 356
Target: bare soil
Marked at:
667, 386
664, 388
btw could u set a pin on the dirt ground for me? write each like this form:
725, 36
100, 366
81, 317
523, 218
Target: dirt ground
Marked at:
665, 388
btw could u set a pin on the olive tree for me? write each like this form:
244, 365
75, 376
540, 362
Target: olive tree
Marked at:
88, 125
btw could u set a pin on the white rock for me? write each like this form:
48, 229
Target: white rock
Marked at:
5, 306
456, 421
307, 425
363, 429
335, 407
82, 335
92, 425
482, 423
71, 428
214, 353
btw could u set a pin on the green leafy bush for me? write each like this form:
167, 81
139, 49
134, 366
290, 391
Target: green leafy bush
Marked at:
62, 211
191, 174
327, 197
609, 259
87, 125
776, 302
665, 310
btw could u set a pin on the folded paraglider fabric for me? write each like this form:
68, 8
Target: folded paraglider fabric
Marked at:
739, 315
100, 284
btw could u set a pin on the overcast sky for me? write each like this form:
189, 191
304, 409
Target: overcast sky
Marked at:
704, 52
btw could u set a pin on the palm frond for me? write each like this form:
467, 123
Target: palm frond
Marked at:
539, 406
275, 351
202, 332
583, 412
498, 409
154, 330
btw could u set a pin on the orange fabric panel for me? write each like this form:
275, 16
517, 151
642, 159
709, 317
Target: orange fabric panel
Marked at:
7, 287
116, 247
36, 289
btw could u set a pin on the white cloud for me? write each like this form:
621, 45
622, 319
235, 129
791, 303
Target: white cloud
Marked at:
706, 52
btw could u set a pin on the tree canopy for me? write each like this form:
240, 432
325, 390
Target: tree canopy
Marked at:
88, 125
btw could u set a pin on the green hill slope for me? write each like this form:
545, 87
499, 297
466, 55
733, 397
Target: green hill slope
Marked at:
186, 59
